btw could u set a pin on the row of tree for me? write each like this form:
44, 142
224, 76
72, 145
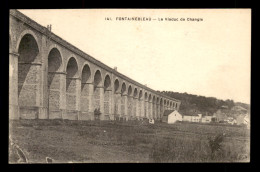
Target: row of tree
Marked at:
191, 104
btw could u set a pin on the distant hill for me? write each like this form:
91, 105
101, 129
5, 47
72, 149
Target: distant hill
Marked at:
191, 104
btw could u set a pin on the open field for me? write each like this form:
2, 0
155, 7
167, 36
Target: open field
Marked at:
114, 141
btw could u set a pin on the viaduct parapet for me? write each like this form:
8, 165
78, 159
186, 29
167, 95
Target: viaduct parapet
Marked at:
51, 79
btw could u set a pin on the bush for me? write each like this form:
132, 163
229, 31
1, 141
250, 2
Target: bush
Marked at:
97, 113
215, 145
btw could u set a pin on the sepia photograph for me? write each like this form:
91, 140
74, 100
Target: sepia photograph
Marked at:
129, 86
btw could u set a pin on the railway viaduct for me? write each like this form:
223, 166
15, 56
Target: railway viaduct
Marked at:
50, 78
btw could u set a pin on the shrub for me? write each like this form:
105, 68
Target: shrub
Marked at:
97, 113
215, 145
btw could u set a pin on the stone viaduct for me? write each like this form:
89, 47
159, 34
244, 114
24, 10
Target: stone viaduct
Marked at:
50, 78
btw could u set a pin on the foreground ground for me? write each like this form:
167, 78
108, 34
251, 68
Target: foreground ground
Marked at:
107, 141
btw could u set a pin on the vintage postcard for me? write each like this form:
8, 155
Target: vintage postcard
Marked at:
129, 85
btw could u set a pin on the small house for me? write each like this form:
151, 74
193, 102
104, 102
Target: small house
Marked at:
206, 119
171, 116
192, 118
231, 120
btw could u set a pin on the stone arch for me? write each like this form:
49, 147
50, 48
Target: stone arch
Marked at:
135, 93
26, 32
97, 80
123, 88
146, 104
55, 60
129, 92
107, 96
29, 75
107, 83
55, 79
123, 99
116, 85
129, 101
56, 47
86, 87
85, 74
140, 102
149, 107
161, 107
28, 49
140, 94
72, 67
135, 102
157, 107
98, 84
153, 107
150, 98
117, 97
153, 99
71, 87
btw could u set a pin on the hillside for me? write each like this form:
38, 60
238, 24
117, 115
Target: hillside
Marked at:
192, 104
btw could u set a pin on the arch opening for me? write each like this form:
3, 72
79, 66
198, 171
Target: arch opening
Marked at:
123, 91
116, 85
129, 101
135, 93
107, 96
97, 91
135, 102
145, 105
154, 107
140, 94
150, 98
85, 90
54, 82
97, 79
161, 108
72, 68
157, 107
149, 106
86, 74
29, 75
129, 90
139, 104
117, 102
71, 84
107, 83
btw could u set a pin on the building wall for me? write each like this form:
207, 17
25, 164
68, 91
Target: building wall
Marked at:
191, 118
173, 117
206, 119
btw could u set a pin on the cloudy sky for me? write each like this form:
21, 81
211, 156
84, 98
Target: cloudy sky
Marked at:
208, 58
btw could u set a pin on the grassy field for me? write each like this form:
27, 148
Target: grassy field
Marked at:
114, 141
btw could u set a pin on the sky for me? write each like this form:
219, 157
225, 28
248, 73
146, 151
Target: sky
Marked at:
209, 58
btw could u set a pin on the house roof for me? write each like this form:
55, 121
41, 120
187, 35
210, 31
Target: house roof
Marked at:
168, 112
192, 115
